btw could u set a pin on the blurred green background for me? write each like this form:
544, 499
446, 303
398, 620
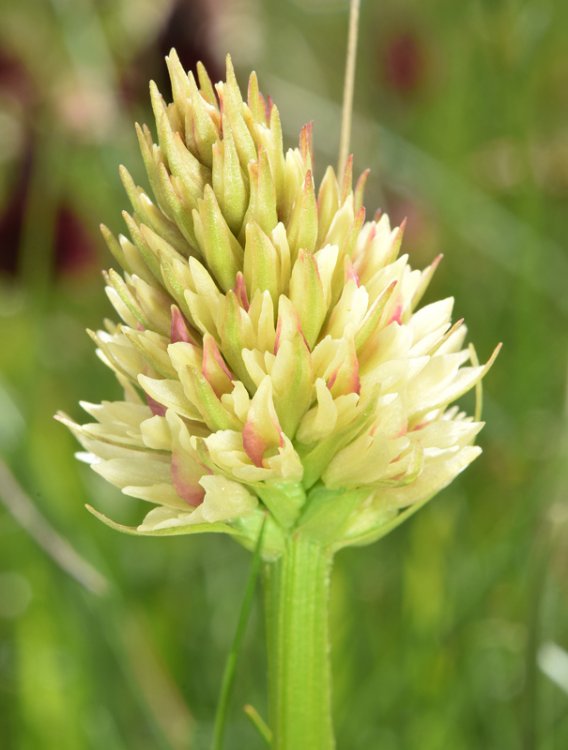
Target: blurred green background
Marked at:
452, 632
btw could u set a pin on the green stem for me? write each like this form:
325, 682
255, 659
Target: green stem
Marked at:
349, 85
297, 593
231, 665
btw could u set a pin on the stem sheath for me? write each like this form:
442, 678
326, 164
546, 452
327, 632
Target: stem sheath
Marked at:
297, 595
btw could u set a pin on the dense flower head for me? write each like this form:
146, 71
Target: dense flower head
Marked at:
272, 354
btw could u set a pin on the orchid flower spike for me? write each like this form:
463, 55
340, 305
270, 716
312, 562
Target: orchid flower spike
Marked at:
274, 359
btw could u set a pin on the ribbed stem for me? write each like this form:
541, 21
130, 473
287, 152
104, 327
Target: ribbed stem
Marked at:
297, 594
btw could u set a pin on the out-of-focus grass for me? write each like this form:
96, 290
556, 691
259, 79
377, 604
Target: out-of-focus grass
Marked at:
442, 631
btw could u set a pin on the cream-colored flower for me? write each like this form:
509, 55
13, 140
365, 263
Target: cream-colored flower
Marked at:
272, 353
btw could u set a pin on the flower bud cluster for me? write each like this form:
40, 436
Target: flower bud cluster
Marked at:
272, 354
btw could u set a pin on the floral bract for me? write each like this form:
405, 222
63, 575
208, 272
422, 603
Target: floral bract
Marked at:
272, 353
